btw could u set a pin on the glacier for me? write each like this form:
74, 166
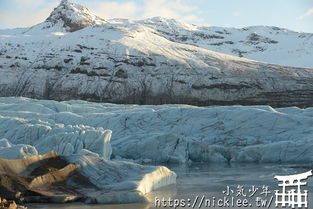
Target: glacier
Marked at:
160, 133
64, 139
12, 151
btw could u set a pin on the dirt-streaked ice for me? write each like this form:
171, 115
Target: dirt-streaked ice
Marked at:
83, 178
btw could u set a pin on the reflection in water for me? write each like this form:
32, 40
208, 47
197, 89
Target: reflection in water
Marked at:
210, 180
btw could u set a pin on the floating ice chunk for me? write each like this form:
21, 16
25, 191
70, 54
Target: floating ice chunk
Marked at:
88, 178
11, 151
121, 182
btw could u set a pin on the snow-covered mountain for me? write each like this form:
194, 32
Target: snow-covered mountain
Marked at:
263, 43
77, 55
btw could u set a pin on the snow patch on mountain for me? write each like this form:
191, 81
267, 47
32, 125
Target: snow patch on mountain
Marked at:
263, 43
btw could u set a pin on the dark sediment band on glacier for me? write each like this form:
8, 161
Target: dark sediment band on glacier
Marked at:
200, 90
276, 99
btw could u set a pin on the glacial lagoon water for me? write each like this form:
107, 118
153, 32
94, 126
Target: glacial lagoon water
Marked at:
208, 182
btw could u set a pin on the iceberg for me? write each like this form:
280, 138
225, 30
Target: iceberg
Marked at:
57, 179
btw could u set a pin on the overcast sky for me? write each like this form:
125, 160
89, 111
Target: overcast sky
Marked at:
293, 14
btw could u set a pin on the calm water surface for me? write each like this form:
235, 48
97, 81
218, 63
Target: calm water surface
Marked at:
208, 181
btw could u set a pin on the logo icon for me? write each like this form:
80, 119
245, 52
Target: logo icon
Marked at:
291, 194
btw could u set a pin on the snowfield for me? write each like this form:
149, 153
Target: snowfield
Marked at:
76, 55
263, 43
164, 133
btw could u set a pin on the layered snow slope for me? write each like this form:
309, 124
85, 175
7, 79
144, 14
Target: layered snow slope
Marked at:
176, 133
133, 62
262, 43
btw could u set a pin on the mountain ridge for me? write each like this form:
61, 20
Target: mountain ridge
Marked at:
124, 61
67, 17
268, 44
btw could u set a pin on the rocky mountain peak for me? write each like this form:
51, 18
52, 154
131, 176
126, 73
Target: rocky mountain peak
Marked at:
72, 17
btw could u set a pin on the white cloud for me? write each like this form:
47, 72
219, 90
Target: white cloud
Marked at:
176, 9
110, 9
306, 14
236, 14
36, 11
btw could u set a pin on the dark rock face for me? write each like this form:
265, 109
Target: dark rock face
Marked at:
41, 179
72, 17
255, 39
5, 204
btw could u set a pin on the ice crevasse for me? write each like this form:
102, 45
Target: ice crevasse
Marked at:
160, 133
